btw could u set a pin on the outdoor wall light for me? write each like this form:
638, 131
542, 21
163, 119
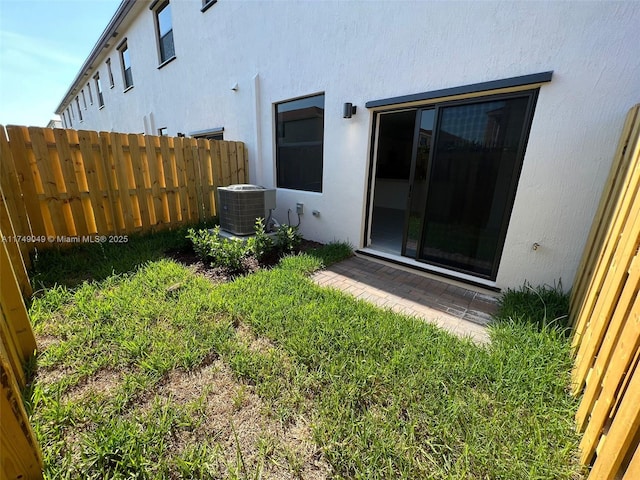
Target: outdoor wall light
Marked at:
348, 110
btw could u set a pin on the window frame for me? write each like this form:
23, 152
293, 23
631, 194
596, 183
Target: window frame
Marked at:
123, 49
280, 183
96, 79
69, 117
110, 73
157, 8
207, 4
90, 94
209, 134
78, 107
84, 99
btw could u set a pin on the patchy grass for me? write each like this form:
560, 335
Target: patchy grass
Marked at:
158, 373
87, 262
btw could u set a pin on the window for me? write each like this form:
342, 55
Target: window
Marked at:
64, 120
299, 138
126, 65
210, 134
90, 94
111, 83
78, 107
69, 117
96, 78
206, 4
164, 30
84, 99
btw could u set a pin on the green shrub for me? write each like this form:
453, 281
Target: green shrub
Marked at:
219, 251
288, 238
232, 254
261, 244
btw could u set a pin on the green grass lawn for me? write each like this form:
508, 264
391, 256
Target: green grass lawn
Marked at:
151, 371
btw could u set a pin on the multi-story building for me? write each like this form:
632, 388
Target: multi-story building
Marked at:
471, 139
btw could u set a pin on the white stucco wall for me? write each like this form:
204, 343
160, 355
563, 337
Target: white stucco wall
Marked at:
361, 51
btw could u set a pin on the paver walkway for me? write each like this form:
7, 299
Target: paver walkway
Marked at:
456, 309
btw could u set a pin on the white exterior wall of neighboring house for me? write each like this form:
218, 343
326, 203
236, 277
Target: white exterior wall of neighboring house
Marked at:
362, 51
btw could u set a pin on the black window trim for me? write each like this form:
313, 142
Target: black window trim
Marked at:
206, 5
122, 47
112, 82
156, 6
78, 107
321, 143
99, 92
489, 86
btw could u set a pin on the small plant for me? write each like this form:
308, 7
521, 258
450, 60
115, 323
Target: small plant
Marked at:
219, 251
261, 244
288, 238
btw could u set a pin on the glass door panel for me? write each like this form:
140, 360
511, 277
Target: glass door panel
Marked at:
418, 181
476, 159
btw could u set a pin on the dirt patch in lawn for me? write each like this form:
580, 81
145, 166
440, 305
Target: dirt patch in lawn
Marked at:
104, 382
234, 418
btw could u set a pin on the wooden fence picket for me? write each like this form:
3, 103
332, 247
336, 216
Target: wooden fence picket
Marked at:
605, 314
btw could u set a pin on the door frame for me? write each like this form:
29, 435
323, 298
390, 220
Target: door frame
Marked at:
531, 93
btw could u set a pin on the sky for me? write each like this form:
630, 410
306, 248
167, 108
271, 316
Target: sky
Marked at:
43, 44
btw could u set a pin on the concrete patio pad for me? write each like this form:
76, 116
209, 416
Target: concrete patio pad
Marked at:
459, 310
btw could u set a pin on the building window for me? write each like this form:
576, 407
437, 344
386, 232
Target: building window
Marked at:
90, 94
162, 132
110, 72
84, 99
209, 134
126, 65
96, 78
299, 139
69, 117
64, 120
206, 4
78, 107
164, 30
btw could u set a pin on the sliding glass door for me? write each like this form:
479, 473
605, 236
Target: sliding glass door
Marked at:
464, 168
473, 171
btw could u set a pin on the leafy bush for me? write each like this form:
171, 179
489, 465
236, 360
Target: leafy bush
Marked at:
233, 254
261, 244
288, 238
219, 251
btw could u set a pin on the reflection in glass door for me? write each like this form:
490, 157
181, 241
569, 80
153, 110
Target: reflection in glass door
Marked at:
418, 181
476, 159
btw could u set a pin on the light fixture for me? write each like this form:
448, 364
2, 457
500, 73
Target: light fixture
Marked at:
348, 110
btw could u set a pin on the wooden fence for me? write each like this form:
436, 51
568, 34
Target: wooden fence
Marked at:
605, 311
20, 455
60, 187
63, 185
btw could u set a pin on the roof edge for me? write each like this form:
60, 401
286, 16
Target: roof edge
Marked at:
123, 9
